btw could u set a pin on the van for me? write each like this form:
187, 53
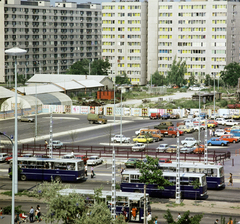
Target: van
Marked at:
3, 156
155, 133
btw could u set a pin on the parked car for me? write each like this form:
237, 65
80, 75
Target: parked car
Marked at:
137, 132
236, 116
226, 116
143, 139
230, 122
132, 162
162, 148
10, 156
166, 116
213, 122
174, 116
219, 132
94, 160
220, 120
68, 156
26, 119
41, 156
186, 149
56, 144
171, 149
198, 149
84, 158
229, 138
3, 156
138, 147
118, 138
214, 115
186, 129
164, 160
217, 141
190, 141
28, 155
227, 130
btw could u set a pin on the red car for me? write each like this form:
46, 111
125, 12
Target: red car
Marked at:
82, 157
10, 157
229, 138
164, 160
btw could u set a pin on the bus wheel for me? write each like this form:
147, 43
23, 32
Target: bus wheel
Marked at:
23, 177
58, 179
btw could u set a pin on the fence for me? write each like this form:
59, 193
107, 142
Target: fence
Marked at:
122, 152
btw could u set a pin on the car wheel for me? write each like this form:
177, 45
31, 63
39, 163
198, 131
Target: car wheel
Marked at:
114, 141
23, 177
173, 136
210, 143
136, 141
225, 124
222, 144
185, 132
234, 141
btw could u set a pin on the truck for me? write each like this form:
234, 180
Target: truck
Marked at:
171, 132
163, 125
155, 116
96, 119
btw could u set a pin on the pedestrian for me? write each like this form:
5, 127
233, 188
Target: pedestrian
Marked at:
230, 180
122, 170
46, 144
17, 220
31, 214
210, 132
178, 217
39, 213
36, 215
134, 212
216, 222
1, 212
93, 173
230, 221
155, 221
149, 217
86, 170
213, 132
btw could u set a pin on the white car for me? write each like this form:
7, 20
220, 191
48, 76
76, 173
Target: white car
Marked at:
162, 148
219, 132
226, 116
94, 160
138, 147
220, 120
186, 149
230, 122
3, 156
137, 132
190, 141
212, 116
119, 138
56, 144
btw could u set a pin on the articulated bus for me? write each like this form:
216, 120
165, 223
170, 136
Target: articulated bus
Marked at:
50, 169
123, 200
130, 183
214, 173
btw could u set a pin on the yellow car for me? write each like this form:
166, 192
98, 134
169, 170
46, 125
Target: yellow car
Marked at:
185, 129
236, 116
211, 125
143, 139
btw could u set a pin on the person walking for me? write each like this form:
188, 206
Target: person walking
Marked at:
86, 170
1, 213
39, 213
178, 217
149, 217
210, 132
46, 144
230, 180
155, 222
216, 222
93, 174
31, 214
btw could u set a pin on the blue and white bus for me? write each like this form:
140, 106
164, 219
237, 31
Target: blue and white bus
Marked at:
127, 201
214, 173
130, 183
50, 169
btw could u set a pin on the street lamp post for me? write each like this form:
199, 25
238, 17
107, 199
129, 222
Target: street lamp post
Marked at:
199, 119
121, 120
15, 52
13, 189
214, 99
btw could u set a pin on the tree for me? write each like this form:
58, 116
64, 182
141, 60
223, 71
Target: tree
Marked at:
231, 73
151, 174
79, 68
185, 219
21, 79
177, 71
100, 67
192, 79
158, 80
208, 81
123, 79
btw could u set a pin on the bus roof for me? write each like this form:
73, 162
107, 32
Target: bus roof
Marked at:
131, 196
172, 174
48, 159
190, 165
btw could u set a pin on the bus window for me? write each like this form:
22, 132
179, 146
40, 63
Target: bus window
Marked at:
125, 178
134, 178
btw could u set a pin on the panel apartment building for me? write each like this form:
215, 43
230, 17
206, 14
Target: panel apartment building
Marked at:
204, 33
124, 39
54, 37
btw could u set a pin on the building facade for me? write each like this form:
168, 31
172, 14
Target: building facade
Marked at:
124, 39
54, 37
204, 33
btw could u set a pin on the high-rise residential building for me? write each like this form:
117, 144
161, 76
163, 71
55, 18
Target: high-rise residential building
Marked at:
54, 37
204, 33
124, 39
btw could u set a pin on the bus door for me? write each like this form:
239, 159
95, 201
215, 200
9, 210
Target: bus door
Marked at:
135, 212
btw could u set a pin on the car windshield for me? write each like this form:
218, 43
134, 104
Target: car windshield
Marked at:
92, 158
131, 160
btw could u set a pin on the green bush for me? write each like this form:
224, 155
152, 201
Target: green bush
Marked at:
183, 90
223, 103
8, 210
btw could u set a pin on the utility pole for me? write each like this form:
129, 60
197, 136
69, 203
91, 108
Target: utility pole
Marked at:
178, 190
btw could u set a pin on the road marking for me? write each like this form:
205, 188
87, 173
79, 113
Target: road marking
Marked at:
117, 144
63, 118
4, 170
